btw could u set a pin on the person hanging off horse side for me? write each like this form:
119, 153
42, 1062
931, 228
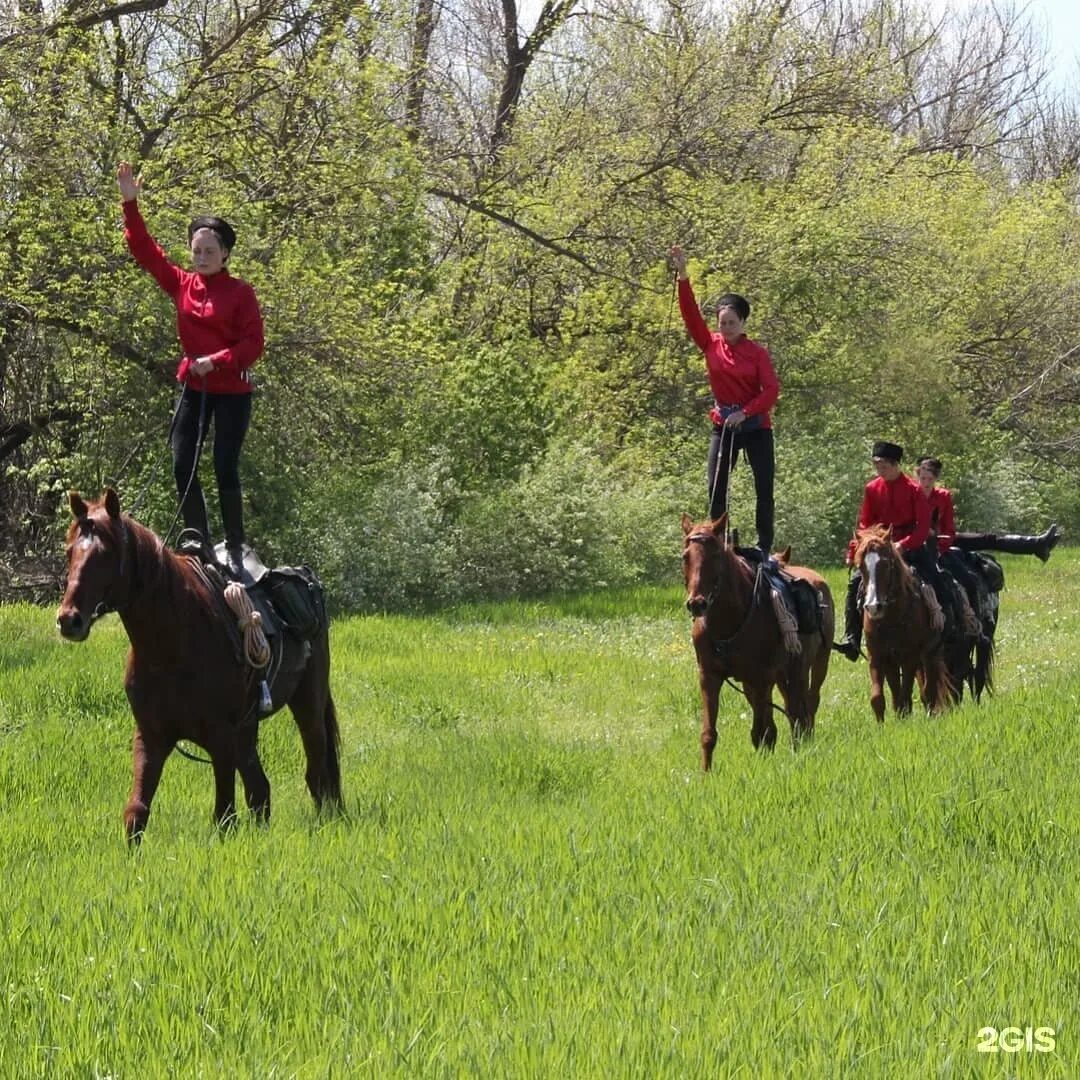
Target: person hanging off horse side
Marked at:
220, 327
943, 516
959, 552
745, 388
893, 499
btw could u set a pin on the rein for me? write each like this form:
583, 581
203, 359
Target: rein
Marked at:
724, 433
719, 646
723, 645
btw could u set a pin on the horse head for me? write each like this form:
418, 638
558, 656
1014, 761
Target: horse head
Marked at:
706, 562
96, 558
885, 573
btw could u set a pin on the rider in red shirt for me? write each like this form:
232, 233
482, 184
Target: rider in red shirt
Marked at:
220, 328
892, 498
745, 388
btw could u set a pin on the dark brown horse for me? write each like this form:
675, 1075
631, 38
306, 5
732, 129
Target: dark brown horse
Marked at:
183, 678
737, 635
902, 644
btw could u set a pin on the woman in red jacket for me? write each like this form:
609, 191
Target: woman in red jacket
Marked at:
221, 330
745, 388
927, 472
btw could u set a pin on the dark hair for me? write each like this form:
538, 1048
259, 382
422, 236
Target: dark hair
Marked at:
739, 304
930, 463
219, 226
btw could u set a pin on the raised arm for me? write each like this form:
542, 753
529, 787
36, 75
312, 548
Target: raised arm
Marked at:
695, 323
141, 244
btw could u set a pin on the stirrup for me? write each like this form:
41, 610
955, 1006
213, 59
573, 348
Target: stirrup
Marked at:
848, 649
192, 542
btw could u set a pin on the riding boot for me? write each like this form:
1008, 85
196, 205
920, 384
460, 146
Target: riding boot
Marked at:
852, 639
193, 511
232, 518
1011, 543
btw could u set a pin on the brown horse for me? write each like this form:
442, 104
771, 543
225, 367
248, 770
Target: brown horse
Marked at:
183, 679
902, 645
737, 635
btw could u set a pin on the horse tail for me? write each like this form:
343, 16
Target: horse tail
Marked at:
945, 689
333, 750
983, 675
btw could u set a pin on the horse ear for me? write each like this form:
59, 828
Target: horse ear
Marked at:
78, 506
112, 503
784, 556
687, 523
719, 526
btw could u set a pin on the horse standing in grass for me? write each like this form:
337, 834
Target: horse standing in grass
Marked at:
902, 644
183, 678
737, 635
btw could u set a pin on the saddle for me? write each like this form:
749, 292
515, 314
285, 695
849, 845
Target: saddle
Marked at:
799, 597
289, 599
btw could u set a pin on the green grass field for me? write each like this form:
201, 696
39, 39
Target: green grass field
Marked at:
535, 880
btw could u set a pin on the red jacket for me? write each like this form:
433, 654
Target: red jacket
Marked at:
942, 517
216, 316
741, 374
899, 503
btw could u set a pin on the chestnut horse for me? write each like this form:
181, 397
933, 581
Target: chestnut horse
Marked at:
183, 678
902, 645
737, 635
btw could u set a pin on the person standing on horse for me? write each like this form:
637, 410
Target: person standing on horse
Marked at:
927, 472
745, 388
220, 327
893, 499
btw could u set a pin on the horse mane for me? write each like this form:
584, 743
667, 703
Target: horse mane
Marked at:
153, 566
879, 537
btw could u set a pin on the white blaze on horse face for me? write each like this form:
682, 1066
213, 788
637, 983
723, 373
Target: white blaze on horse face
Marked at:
870, 601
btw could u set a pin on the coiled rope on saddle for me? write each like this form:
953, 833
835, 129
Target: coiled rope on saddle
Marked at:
937, 616
789, 628
256, 646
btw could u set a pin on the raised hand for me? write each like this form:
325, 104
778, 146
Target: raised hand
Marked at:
129, 184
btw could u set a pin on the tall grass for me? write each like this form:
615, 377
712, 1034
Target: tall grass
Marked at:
534, 878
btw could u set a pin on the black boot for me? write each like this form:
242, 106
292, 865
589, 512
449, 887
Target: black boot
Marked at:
1045, 543
1011, 543
849, 646
232, 518
193, 510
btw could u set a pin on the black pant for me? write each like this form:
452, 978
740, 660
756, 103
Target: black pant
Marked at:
759, 449
229, 415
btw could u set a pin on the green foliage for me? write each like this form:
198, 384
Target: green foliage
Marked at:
447, 312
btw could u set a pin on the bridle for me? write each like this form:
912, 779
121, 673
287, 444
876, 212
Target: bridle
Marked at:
721, 644
104, 605
892, 556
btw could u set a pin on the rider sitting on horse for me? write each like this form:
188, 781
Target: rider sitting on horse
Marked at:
893, 499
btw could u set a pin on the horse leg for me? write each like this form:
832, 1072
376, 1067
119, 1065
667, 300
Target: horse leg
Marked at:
763, 731
902, 684
819, 668
710, 704
224, 788
256, 784
877, 689
148, 761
